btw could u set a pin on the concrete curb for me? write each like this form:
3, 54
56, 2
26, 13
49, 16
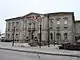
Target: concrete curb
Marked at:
39, 52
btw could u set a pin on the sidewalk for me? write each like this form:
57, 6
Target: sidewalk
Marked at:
52, 50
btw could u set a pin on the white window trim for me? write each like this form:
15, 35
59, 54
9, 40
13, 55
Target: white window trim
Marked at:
65, 21
58, 21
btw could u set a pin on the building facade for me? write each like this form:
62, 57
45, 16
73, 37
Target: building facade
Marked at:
52, 27
77, 30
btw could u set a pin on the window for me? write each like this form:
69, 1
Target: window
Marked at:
51, 24
51, 36
65, 36
58, 37
51, 17
9, 24
12, 23
58, 22
65, 21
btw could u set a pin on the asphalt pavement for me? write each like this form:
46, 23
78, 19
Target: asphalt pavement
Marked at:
13, 55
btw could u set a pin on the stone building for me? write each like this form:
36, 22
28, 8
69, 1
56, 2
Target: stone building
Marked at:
77, 30
55, 27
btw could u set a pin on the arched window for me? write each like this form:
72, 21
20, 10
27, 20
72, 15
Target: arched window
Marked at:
65, 36
51, 36
58, 37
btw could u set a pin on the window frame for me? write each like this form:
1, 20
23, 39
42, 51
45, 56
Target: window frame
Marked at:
58, 21
65, 36
65, 20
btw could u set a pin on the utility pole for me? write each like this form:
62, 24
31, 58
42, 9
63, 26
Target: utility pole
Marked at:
48, 33
41, 16
40, 35
13, 36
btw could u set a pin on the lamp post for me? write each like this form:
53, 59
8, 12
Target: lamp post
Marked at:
48, 33
40, 35
41, 16
13, 36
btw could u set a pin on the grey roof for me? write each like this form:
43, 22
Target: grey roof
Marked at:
40, 14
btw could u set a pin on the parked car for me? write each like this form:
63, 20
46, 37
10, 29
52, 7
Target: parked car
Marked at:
64, 46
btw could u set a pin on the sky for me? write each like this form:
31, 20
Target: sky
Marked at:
16, 8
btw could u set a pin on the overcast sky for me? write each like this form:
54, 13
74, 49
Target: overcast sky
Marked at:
15, 8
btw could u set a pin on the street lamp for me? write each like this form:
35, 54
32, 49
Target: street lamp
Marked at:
48, 32
13, 36
41, 16
40, 36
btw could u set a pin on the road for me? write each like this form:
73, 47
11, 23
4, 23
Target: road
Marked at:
13, 55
